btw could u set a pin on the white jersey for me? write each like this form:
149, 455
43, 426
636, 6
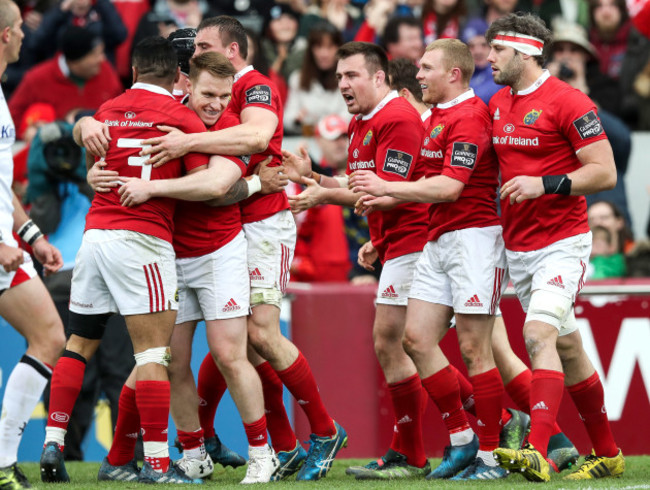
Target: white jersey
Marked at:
7, 139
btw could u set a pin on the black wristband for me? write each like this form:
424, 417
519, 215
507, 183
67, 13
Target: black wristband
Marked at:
557, 184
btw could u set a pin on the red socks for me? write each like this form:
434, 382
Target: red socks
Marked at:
126, 429
67, 378
488, 396
589, 399
211, 385
256, 432
300, 382
277, 422
407, 402
152, 398
519, 391
444, 391
545, 398
190, 440
466, 391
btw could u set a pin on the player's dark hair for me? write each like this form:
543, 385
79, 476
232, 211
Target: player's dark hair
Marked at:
401, 73
155, 59
183, 43
456, 54
230, 31
391, 31
374, 56
523, 23
215, 64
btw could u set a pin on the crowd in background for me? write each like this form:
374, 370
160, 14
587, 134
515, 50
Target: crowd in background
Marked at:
76, 55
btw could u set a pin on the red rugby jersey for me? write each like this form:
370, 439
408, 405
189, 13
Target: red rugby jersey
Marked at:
202, 229
387, 141
133, 117
252, 89
537, 132
458, 144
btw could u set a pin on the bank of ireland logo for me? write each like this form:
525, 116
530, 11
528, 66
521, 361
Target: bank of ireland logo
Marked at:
532, 117
355, 153
367, 138
436, 131
509, 128
129, 115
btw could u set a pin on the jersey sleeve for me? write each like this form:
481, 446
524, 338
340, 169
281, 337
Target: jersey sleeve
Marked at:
579, 120
467, 141
398, 147
264, 95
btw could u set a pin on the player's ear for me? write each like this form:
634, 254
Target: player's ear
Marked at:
380, 77
178, 75
134, 74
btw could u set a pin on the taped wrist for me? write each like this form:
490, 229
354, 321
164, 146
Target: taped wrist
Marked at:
29, 232
557, 184
254, 185
157, 355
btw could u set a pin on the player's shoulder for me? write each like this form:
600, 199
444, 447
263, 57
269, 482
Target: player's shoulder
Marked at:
399, 111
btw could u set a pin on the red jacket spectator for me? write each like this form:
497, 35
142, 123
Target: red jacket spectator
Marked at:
78, 80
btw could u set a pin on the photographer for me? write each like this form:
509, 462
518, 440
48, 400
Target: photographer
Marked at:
574, 60
60, 198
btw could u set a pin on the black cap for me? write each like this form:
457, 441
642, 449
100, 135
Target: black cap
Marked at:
77, 42
183, 43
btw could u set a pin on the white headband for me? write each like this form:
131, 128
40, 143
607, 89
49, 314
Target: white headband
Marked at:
521, 42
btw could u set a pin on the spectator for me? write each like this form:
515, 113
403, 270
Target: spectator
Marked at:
604, 262
474, 36
607, 215
492, 10
344, 16
574, 11
638, 260
131, 13
441, 19
279, 40
80, 79
403, 39
313, 90
99, 17
168, 15
622, 54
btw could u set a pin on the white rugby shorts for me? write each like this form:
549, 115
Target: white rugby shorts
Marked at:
122, 271
464, 269
214, 286
559, 268
24, 273
271, 243
396, 279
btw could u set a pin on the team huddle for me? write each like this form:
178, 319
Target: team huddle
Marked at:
190, 222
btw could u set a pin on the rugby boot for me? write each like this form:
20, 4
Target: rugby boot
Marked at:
173, 475
393, 467
562, 454
52, 465
514, 431
599, 467
478, 470
527, 461
322, 451
455, 459
290, 462
13, 478
127, 472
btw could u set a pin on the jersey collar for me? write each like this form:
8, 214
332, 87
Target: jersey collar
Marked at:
151, 88
461, 98
243, 72
425, 115
390, 96
538, 83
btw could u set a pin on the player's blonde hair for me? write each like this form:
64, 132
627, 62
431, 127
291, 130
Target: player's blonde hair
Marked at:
216, 64
455, 54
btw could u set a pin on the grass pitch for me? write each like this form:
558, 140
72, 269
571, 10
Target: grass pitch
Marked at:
84, 476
